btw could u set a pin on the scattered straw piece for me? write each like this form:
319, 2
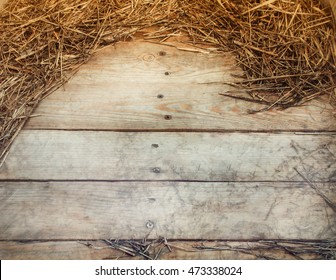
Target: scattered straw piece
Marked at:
162, 248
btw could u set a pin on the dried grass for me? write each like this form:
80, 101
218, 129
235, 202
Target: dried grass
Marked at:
286, 46
161, 248
280, 249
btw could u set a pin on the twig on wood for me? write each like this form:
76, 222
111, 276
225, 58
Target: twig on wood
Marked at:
331, 204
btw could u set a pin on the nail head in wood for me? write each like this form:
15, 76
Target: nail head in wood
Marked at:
156, 169
150, 224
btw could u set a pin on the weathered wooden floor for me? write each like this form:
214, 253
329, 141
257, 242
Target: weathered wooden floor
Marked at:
139, 144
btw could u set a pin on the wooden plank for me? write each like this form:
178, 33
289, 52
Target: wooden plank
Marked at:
180, 250
58, 250
139, 61
134, 85
175, 210
103, 155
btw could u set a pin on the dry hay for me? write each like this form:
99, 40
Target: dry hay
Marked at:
162, 248
286, 47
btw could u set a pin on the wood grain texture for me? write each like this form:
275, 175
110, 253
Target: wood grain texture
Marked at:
180, 250
134, 85
59, 250
99, 155
176, 210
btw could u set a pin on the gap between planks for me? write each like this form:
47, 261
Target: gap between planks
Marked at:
204, 130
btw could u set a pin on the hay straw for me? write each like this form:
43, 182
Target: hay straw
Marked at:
162, 248
286, 46
280, 249
283, 45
